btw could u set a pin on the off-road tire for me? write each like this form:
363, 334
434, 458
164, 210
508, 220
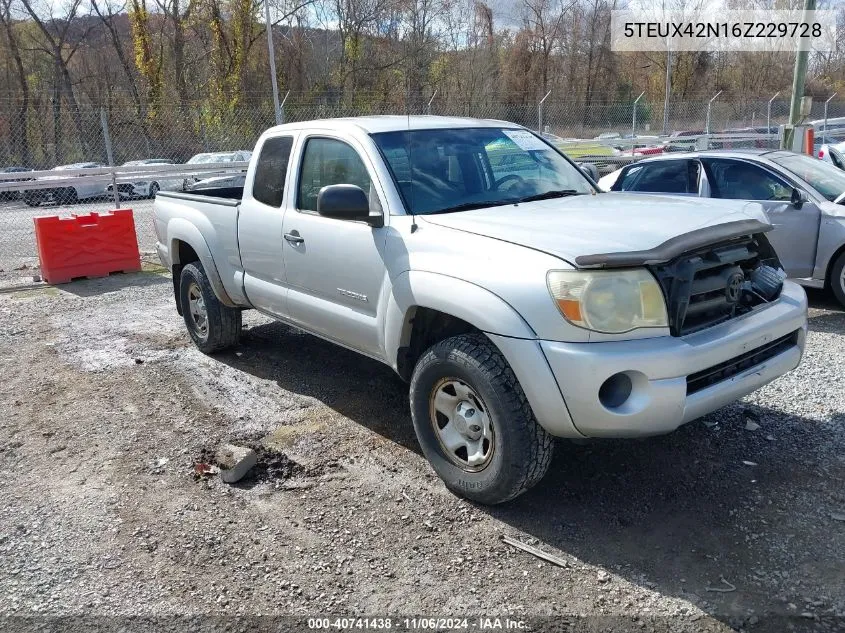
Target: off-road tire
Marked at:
224, 323
836, 280
522, 448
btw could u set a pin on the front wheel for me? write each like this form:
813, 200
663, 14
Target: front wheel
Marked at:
212, 325
837, 278
474, 423
154, 189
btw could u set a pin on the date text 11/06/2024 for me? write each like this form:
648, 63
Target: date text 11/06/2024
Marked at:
417, 624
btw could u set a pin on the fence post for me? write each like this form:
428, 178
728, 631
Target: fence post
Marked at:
540, 113
281, 117
668, 92
104, 122
707, 124
769, 116
428, 106
824, 129
634, 121
202, 130
271, 53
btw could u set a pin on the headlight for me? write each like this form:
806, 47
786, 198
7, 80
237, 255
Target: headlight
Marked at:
610, 301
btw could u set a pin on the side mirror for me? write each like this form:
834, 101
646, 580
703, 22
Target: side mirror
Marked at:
346, 202
589, 170
798, 198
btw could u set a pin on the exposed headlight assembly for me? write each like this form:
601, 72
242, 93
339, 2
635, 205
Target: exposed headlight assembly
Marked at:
609, 301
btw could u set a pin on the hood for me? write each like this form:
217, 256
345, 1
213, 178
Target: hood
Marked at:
616, 223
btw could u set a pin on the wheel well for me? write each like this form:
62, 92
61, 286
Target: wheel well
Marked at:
185, 254
830, 264
423, 328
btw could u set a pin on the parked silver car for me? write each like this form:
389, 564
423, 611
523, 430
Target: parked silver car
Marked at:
802, 197
204, 158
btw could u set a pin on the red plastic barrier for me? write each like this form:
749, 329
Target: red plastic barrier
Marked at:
92, 245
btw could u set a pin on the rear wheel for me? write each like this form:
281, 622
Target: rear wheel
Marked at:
837, 278
474, 423
154, 189
212, 325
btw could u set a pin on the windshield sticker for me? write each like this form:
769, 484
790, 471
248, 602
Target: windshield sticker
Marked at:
526, 140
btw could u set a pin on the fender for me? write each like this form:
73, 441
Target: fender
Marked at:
497, 319
181, 229
457, 297
831, 243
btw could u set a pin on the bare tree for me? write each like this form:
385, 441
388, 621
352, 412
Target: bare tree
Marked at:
20, 134
56, 42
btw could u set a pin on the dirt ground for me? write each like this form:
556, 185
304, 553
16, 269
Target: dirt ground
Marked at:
106, 407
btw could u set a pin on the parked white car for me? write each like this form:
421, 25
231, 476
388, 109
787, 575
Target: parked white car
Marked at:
834, 154
67, 189
149, 187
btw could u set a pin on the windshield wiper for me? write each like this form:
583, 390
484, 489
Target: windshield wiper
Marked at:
555, 193
469, 206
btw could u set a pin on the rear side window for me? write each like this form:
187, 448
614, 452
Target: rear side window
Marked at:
271, 169
671, 176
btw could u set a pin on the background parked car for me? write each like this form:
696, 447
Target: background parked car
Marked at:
834, 154
219, 182
145, 188
65, 191
213, 157
4, 178
598, 154
798, 193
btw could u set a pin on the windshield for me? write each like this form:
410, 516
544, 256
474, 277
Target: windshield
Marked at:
828, 180
443, 170
199, 158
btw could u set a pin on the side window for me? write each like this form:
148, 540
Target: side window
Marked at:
670, 176
326, 162
271, 169
738, 180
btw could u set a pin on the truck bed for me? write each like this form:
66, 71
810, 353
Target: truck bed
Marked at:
227, 196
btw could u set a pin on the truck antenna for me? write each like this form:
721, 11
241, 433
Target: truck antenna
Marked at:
414, 226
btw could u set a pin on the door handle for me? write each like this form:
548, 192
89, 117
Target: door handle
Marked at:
294, 238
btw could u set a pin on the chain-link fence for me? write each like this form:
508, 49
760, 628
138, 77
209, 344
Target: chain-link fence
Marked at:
47, 135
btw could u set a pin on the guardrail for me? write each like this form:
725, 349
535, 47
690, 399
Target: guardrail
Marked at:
49, 179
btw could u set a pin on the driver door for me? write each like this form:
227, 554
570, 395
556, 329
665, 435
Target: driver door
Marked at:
334, 269
796, 232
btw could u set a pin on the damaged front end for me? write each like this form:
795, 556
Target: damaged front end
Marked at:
708, 276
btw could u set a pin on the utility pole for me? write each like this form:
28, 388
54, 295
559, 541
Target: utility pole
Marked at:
668, 91
798, 77
271, 52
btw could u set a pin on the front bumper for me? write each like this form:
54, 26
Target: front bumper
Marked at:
658, 369
130, 190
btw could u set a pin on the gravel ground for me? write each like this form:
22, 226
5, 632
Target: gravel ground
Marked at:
107, 407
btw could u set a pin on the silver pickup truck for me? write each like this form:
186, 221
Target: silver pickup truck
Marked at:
487, 270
